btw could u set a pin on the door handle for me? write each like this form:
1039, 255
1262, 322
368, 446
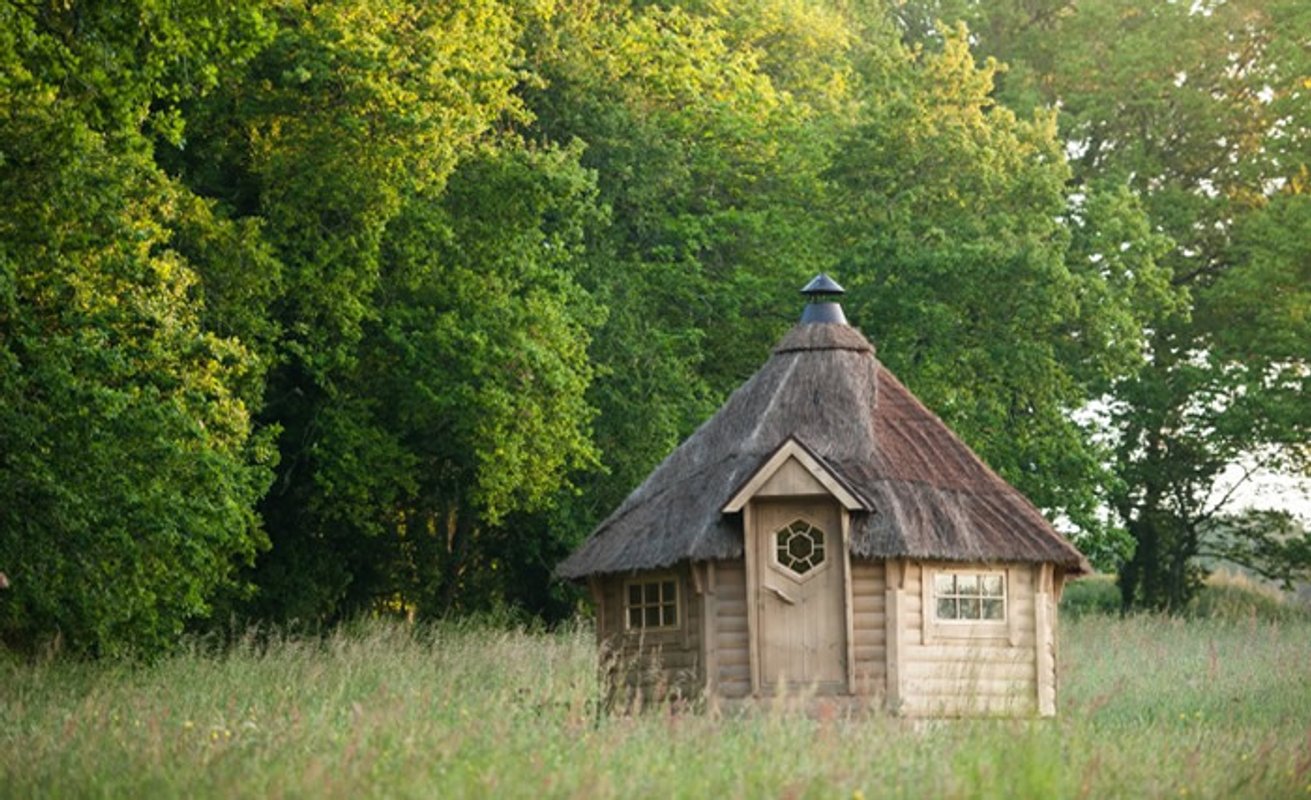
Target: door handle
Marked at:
782, 595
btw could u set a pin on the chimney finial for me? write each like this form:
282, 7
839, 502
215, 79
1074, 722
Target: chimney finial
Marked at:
823, 292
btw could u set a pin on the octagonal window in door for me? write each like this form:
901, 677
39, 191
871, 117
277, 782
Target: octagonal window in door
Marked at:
799, 547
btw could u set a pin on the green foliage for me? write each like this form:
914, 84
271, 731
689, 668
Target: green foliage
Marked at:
1231, 597
1225, 597
1199, 115
349, 109
424, 289
1273, 544
127, 458
466, 403
950, 215
1094, 594
708, 149
467, 710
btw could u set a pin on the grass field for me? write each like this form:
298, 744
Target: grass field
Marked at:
1149, 708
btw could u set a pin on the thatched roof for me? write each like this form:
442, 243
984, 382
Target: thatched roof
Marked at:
931, 496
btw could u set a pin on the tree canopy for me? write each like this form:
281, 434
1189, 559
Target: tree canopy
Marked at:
1199, 112
309, 310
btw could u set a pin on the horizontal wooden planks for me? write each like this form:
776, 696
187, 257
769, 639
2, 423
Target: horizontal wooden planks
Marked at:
657, 662
949, 705
968, 669
869, 625
733, 676
915, 685
869, 604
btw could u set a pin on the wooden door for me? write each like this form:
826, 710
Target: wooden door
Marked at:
800, 595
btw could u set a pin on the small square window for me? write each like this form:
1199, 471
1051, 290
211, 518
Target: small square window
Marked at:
970, 597
652, 604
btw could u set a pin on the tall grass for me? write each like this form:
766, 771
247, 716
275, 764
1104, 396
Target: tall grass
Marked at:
1149, 708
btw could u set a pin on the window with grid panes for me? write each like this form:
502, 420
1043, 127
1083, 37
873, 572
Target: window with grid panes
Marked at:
653, 604
971, 597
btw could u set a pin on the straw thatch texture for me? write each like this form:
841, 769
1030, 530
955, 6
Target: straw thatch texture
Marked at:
932, 496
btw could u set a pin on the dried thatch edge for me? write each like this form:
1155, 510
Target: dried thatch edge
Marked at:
1075, 562
1072, 568
607, 527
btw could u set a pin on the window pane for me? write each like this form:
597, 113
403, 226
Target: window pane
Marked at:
634, 617
944, 584
969, 608
653, 617
967, 585
993, 609
992, 585
652, 592
635, 594
946, 608
800, 547
667, 592
669, 616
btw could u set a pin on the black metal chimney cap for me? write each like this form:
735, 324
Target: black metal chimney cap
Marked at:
823, 292
820, 286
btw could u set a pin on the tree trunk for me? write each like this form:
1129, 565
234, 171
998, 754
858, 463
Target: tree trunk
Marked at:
456, 555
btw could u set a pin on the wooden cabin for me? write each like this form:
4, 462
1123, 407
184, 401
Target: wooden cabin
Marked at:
826, 534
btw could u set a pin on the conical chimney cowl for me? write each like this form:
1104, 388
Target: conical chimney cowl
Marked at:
823, 291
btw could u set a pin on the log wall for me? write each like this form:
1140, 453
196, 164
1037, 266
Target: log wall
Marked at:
869, 626
916, 670
971, 670
644, 666
732, 657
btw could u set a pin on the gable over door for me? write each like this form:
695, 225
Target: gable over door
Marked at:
799, 590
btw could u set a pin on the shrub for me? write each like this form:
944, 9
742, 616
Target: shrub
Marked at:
1095, 594
1233, 596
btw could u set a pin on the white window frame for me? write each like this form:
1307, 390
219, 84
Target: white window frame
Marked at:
935, 629
971, 573
659, 580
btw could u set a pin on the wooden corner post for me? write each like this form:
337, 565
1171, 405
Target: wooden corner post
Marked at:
753, 595
894, 577
1044, 642
848, 600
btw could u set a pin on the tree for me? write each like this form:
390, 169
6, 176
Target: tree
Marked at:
709, 126
1199, 111
983, 281
466, 404
347, 118
127, 458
